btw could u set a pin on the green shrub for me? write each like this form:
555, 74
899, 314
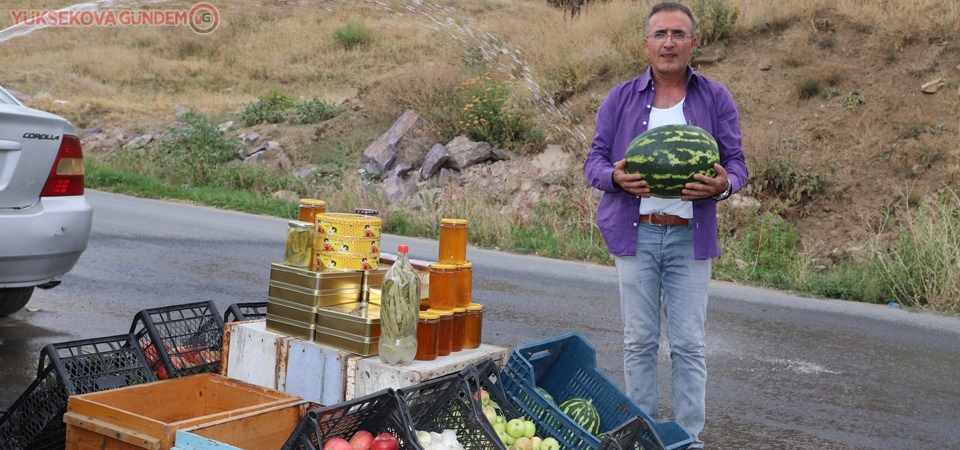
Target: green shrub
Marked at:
271, 108
808, 88
353, 34
315, 110
830, 92
715, 19
781, 178
191, 154
854, 100
565, 80
489, 111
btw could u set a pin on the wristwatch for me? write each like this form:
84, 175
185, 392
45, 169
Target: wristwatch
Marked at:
723, 195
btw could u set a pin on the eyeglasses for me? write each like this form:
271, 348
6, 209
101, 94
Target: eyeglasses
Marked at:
678, 38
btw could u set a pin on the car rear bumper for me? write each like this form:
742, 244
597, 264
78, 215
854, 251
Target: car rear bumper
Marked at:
41, 243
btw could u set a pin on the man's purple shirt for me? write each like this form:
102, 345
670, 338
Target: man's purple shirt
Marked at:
622, 117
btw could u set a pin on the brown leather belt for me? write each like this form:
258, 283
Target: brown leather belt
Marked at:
663, 219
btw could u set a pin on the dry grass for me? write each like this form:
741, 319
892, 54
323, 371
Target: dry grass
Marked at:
290, 47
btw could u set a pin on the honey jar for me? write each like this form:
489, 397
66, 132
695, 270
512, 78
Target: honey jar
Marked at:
453, 241
445, 333
464, 284
443, 286
428, 328
473, 326
459, 323
309, 208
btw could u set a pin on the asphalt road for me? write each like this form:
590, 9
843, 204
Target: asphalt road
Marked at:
785, 372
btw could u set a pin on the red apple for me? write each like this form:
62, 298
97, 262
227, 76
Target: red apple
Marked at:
361, 440
337, 444
385, 441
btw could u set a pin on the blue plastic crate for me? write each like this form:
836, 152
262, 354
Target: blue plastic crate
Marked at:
566, 367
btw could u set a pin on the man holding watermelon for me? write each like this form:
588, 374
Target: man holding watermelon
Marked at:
663, 245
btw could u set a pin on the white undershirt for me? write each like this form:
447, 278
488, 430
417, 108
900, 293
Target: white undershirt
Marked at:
656, 205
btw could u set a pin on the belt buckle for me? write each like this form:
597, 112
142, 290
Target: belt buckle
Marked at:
653, 216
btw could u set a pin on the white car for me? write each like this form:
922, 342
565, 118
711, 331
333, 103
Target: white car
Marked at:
45, 220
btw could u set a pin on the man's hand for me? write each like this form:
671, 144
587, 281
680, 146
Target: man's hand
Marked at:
707, 187
630, 182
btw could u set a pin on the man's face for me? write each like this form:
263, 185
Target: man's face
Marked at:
669, 57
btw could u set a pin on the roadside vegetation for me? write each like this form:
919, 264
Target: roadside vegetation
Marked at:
522, 75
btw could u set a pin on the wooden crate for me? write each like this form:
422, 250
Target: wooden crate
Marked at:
265, 429
147, 416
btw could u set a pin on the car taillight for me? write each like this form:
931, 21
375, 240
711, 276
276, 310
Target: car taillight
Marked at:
66, 177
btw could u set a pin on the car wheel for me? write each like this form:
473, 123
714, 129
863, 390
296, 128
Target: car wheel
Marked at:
12, 299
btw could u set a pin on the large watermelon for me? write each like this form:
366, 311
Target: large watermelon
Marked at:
582, 412
669, 156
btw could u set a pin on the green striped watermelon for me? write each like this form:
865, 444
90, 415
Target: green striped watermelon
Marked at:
582, 412
669, 156
546, 394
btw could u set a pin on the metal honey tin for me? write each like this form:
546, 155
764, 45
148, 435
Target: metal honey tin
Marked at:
341, 319
349, 225
311, 298
342, 244
291, 311
347, 261
289, 327
312, 280
364, 346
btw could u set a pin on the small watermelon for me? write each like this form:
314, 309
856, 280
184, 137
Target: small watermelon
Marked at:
668, 156
546, 394
582, 412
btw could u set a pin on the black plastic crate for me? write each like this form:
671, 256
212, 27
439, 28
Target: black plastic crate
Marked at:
446, 403
377, 413
245, 311
180, 340
485, 375
94, 365
35, 420
635, 433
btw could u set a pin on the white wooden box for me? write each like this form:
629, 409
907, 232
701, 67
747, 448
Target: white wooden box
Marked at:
368, 375
325, 375
313, 372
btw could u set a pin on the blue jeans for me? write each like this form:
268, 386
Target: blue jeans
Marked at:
665, 275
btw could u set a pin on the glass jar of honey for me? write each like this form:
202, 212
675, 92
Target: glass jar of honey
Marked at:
445, 335
459, 323
453, 241
443, 286
309, 208
464, 284
473, 326
428, 330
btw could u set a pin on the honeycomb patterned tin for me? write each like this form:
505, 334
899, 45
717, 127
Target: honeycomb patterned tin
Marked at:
347, 261
340, 244
349, 225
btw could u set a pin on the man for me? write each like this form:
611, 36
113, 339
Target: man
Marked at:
663, 247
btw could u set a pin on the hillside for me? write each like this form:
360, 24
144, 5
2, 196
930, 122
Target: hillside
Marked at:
836, 127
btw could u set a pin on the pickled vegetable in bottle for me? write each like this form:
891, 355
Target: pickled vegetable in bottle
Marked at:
299, 244
399, 311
